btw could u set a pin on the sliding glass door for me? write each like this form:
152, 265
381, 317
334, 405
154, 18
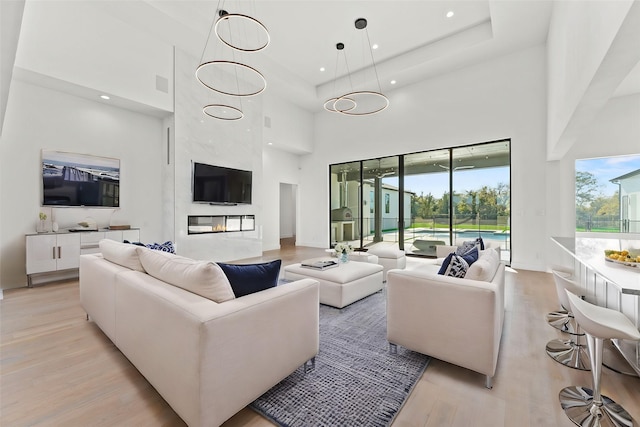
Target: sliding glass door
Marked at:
426, 183
344, 184
421, 200
481, 193
380, 200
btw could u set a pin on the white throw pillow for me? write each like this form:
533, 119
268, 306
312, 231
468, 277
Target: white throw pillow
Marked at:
485, 268
204, 278
123, 254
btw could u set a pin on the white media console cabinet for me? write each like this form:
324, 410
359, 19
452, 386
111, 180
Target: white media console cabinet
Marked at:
58, 253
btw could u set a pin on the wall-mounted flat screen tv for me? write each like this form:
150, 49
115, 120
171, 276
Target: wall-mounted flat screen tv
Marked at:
221, 185
70, 179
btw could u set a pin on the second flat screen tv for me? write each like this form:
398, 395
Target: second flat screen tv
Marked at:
220, 185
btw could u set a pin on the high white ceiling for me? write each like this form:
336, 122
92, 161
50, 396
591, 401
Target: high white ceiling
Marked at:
416, 39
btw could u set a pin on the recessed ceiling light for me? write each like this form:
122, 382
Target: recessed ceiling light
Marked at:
104, 97
392, 82
269, 143
450, 14
374, 46
321, 68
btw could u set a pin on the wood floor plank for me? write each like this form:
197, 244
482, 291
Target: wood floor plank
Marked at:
51, 355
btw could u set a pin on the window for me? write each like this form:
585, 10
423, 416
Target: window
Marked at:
608, 194
423, 199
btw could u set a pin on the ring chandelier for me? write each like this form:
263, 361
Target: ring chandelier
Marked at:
350, 104
209, 73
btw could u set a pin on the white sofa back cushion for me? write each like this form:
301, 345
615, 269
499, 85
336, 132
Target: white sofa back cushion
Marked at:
485, 267
203, 278
123, 254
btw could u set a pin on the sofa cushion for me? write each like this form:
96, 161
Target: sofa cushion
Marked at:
203, 278
120, 253
485, 268
454, 266
246, 279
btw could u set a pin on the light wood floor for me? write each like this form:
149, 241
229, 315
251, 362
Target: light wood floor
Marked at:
57, 369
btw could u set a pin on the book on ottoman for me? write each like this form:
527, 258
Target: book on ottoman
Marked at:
322, 264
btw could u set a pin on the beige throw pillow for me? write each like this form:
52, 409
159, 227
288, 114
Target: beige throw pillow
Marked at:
485, 267
204, 278
123, 254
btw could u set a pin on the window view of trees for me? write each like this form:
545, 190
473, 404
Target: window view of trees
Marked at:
473, 208
594, 210
608, 194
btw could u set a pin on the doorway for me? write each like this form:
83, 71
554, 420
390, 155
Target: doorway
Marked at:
288, 203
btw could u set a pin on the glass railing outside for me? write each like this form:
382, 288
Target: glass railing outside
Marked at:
607, 224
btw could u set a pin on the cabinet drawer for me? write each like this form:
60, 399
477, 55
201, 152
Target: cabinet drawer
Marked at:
87, 237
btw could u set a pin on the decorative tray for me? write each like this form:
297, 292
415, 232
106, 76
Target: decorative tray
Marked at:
635, 265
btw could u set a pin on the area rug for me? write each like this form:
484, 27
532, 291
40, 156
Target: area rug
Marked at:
356, 381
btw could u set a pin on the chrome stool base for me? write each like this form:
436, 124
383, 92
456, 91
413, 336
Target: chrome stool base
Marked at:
569, 354
561, 320
613, 359
577, 403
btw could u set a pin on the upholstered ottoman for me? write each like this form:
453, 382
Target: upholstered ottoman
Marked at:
389, 257
342, 285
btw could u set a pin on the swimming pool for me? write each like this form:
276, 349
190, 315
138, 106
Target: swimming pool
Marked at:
500, 236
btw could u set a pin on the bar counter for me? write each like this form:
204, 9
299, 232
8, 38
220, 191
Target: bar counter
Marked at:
613, 285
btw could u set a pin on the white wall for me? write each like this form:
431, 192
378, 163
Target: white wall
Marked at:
502, 98
77, 42
287, 126
279, 167
38, 118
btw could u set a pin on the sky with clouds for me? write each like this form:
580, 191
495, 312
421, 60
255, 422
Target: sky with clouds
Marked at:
606, 168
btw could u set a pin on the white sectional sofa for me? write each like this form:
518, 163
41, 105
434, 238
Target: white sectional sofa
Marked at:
208, 360
458, 320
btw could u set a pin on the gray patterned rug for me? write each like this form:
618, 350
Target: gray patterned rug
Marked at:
356, 381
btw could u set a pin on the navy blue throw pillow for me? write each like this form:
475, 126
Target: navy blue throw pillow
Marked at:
445, 263
471, 256
246, 279
456, 266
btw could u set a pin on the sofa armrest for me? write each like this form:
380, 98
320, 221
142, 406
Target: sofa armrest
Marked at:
210, 360
452, 319
443, 250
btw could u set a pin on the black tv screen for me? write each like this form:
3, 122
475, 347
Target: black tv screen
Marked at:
70, 179
220, 185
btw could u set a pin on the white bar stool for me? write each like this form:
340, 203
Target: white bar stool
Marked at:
583, 406
569, 352
561, 319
